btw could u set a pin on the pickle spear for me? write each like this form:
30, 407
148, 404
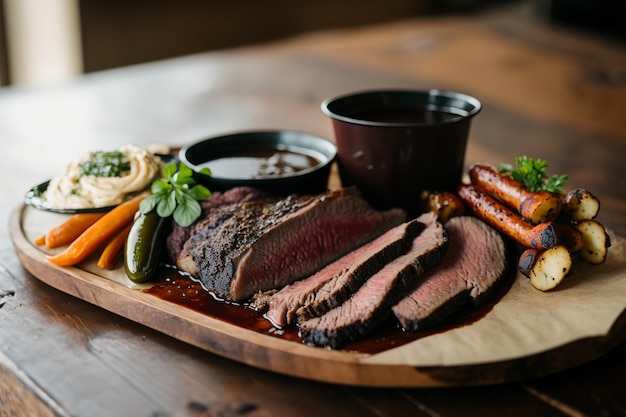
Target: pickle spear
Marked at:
143, 246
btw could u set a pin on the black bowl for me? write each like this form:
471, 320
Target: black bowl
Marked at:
311, 180
394, 144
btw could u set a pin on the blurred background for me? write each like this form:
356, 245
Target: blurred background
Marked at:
48, 41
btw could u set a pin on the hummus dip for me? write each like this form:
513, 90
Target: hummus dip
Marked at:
101, 179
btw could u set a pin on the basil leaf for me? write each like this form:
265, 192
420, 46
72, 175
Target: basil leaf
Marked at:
186, 213
176, 195
149, 203
199, 192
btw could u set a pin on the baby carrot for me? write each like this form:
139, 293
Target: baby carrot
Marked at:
113, 249
69, 230
107, 226
40, 240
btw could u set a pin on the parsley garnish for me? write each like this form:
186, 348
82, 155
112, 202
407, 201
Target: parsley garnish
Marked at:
36, 192
532, 173
105, 164
176, 195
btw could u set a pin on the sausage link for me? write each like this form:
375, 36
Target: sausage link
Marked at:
506, 221
570, 237
534, 207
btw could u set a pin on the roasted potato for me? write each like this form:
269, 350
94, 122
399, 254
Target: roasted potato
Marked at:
580, 204
595, 241
445, 205
570, 237
546, 268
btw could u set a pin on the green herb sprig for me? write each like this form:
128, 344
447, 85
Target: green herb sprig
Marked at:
532, 173
176, 195
105, 164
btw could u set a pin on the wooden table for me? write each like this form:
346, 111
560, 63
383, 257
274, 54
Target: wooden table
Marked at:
546, 93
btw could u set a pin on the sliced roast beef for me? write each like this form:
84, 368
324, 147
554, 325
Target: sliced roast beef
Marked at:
365, 263
473, 264
316, 294
371, 304
179, 234
226, 227
260, 245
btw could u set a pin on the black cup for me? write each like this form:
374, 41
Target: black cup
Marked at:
394, 144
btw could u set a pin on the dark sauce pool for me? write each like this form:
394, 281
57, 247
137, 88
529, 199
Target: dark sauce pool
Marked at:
261, 163
178, 288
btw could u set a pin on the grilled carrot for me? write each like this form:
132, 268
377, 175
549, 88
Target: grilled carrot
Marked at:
69, 230
506, 221
114, 249
534, 207
107, 226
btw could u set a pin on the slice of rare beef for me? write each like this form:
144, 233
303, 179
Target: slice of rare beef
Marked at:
371, 304
259, 246
208, 230
178, 236
365, 263
351, 270
473, 264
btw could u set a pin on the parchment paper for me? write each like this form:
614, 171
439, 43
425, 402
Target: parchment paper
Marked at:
527, 321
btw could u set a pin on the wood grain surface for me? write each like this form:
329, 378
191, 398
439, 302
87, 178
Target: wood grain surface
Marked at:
547, 92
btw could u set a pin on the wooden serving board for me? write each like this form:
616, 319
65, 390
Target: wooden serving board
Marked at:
526, 334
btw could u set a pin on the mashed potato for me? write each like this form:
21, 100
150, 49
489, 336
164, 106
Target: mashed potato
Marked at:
101, 179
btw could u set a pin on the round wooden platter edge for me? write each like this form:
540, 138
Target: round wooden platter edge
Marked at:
288, 357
